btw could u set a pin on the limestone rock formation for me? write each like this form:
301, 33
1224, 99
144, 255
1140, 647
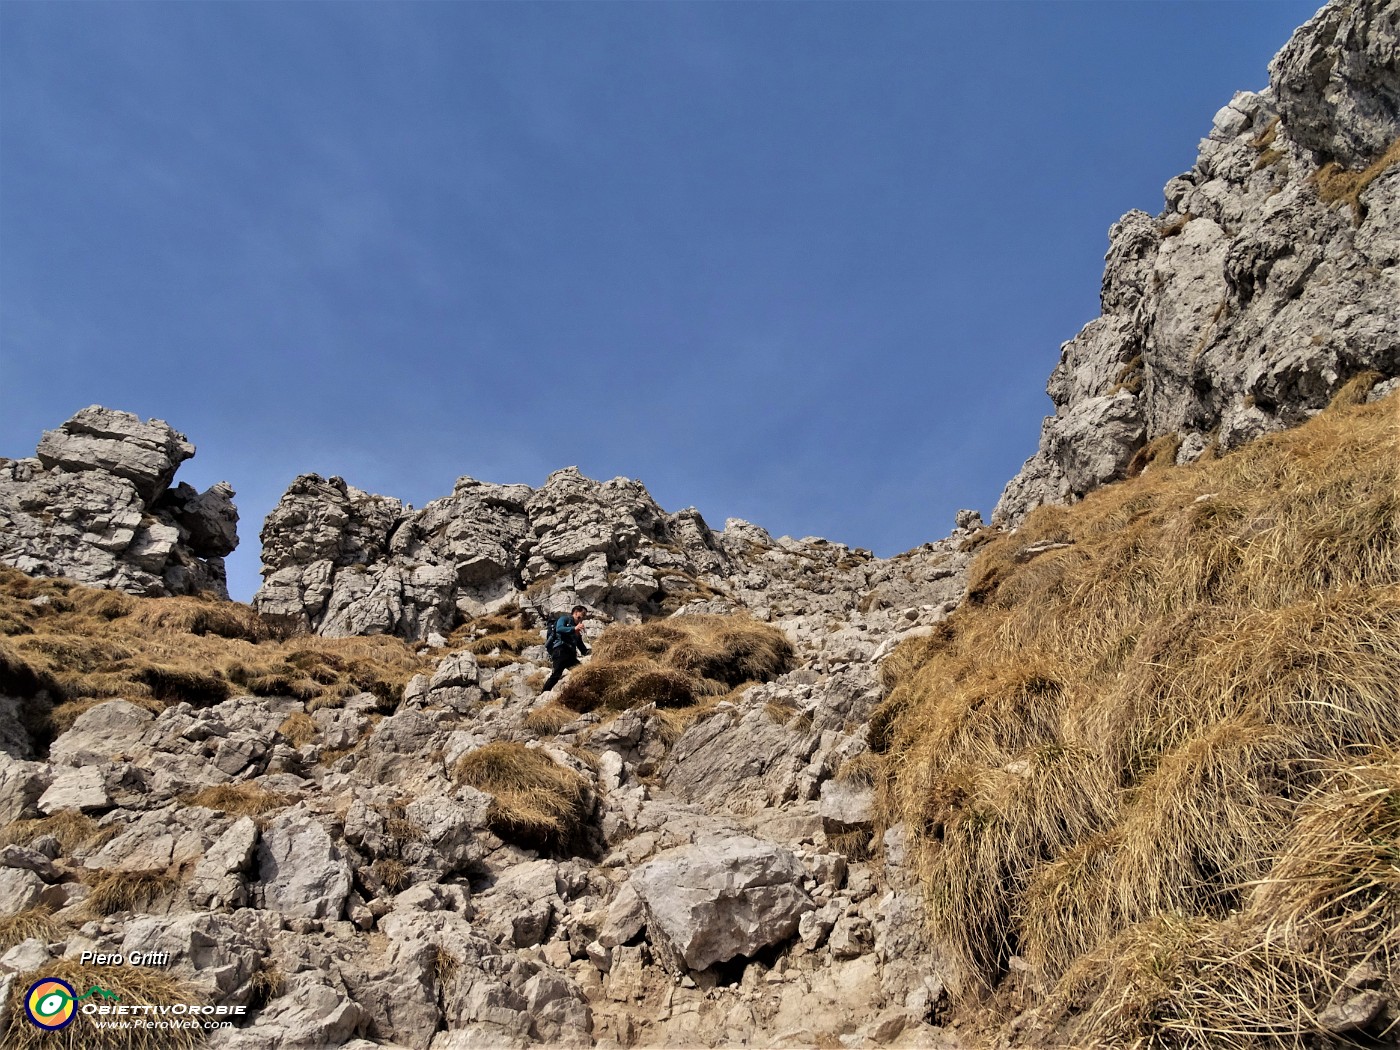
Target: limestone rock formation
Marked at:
326, 864
1269, 280
707, 904
95, 504
339, 561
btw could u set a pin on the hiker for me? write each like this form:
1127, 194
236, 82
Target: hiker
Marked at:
565, 643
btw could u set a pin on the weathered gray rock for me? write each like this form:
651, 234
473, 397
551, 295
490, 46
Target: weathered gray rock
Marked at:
1251, 299
118, 443
219, 876
300, 870
709, 904
340, 561
520, 906
84, 789
1337, 83
101, 732
312, 1013
218, 955
847, 804
167, 838
19, 889
28, 956
95, 505
22, 784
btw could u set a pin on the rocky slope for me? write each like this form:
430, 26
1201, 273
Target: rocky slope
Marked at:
329, 859
717, 893
1267, 282
95, 504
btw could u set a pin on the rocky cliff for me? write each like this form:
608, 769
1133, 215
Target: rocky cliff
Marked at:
1268, 281
341, 562
95, 504
375, 832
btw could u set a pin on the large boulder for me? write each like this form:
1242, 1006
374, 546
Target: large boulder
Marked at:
95, 504
710, 903
301, 872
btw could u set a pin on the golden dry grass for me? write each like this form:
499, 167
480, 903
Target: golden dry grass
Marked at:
114, 891
81, 646
1336, 185
392, 874
32, 922
539, 804
496, 640
72, 828
1323, 925
241, 800
201, 616
135, 985
1109, 758
548, 719
675, 662
298, 729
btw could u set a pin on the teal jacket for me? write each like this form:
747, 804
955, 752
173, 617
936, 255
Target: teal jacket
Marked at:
567, 636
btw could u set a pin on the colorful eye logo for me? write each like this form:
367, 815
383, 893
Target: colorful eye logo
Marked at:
51, 1004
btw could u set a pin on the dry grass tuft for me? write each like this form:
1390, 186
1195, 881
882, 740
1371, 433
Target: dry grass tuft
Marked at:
539, 804
135, 985
1355, 390
618, 685
865, 769
445, 966
548, 719
1322, 929
676, 662
1159, 452
201, 616
21, 926
81, 646
1154, 751
392, 874
298, 729
267, 983
73, 829
114, 891
1336, 185
497, 640
240, 800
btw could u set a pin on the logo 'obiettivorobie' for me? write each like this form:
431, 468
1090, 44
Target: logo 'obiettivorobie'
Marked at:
51, 1004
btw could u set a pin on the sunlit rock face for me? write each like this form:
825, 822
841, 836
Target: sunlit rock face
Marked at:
1268, 281
95, 504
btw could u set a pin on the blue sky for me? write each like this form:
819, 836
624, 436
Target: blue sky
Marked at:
805, 264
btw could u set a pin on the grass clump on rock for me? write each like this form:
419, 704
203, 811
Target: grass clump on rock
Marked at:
78, 647
72, 828
32, 922
676, 662
538, 803
1154, 754
239, 800
118, 891
134, 985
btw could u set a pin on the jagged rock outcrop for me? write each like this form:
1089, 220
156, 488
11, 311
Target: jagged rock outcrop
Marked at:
95, 503
339, 561
326, 864
1269, 280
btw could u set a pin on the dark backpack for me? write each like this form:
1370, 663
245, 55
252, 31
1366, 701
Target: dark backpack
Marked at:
553, 636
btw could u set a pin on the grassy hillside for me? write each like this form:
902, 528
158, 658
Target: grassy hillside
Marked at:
1151, 768
64, 647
